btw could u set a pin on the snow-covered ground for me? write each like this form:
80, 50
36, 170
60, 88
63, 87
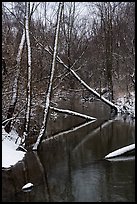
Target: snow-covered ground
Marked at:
11, 141
126, 104
10, 156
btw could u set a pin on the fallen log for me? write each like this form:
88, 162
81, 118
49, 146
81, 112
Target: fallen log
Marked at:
122, 151
70, 112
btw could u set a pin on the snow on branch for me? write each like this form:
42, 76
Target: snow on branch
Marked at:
28, 99
49, 91
112, 105
73, 113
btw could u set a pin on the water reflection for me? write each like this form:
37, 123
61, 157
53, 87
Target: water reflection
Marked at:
104, 181
71, 167
28, 170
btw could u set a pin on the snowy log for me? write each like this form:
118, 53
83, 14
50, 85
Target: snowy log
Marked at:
70, 112
121, 151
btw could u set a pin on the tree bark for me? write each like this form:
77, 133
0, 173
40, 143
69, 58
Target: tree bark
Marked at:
28, 99
15, 85
49, 91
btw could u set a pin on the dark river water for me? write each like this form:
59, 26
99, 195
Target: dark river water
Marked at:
71, 166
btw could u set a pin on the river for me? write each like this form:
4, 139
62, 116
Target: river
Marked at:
71, 167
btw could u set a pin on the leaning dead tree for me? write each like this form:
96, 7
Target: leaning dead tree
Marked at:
59, 60
49, 91
112, 105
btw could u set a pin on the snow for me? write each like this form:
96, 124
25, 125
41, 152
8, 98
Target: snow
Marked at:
10, 156
126, 104
28, 185
120, 151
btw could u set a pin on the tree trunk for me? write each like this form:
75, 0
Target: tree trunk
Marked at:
15, 85
108, 45
28, 109
49, 91
112, 105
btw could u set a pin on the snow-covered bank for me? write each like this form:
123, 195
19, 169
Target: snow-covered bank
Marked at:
126, 104
10, 156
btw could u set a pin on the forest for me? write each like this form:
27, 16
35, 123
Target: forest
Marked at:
52, 49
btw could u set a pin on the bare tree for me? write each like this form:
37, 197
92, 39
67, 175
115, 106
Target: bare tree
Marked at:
106, 10
28, 108
49, 91
15, 84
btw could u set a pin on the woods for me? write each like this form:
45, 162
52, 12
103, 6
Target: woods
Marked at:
56, 47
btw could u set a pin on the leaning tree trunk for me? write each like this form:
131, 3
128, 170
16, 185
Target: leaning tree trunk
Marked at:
112, 105
15, 85
49, 91
28, 99
109, 103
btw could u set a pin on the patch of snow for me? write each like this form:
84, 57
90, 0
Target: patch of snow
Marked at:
126, 104
120, 151
10, 142
26, 186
